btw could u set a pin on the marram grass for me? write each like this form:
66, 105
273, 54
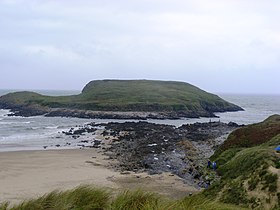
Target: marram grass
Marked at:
83, 197
92, 198
136, 200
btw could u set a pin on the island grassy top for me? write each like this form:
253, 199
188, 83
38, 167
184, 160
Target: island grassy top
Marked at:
128, 95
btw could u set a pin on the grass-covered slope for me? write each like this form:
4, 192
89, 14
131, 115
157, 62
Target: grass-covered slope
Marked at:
249, 167
153, 96
252, 135
90, 198
127, 95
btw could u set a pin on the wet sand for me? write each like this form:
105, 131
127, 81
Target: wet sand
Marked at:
29, 174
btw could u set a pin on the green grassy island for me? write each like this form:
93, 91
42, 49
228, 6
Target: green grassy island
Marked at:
122, 99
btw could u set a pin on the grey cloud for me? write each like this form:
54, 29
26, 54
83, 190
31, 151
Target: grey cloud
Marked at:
193, 41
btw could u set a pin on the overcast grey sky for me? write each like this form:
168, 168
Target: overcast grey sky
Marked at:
218, 45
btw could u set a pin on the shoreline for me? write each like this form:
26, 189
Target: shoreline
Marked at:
29, 174
149, 156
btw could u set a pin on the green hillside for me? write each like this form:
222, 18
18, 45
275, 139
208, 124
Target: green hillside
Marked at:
249, 167
127, 95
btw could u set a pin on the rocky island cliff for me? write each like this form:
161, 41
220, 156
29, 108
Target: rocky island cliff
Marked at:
122, 99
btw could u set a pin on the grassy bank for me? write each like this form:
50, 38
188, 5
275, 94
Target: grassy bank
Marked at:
90, 198
249, 167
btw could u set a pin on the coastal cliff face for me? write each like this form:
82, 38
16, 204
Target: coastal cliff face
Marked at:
122, 99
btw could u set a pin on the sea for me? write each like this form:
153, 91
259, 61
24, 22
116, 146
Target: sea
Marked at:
39, 132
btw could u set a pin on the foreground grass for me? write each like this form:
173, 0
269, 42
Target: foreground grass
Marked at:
91, 198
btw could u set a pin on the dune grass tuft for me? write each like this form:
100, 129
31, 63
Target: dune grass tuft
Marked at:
84, 197
200, 202
136, 200
91, 198
4, 206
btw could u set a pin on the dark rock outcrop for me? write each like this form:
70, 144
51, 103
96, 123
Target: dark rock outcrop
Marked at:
156, 148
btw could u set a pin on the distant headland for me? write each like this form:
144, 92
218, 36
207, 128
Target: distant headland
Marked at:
122, 99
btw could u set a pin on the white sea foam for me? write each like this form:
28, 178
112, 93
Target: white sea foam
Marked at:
52, 127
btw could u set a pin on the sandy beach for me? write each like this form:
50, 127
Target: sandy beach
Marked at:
29, 174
